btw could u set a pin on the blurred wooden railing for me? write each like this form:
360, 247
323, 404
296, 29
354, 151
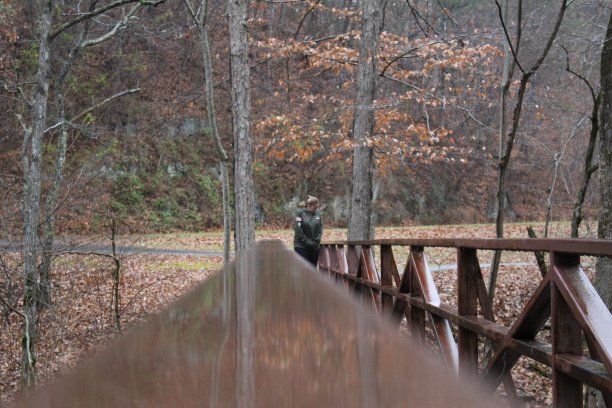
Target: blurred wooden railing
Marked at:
265, 332
564, 296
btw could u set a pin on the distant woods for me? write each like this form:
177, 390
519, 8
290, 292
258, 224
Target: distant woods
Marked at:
434, 141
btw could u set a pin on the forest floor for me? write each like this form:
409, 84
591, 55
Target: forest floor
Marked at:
81, 320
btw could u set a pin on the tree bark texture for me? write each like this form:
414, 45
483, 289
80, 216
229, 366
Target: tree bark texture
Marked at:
241, 121
360, 227
603, 281
603, 270
32, 193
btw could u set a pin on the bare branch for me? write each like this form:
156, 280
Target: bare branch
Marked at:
310, 10
583, 79
91, 108
98, 11
417, 16
407, 52
11, 307
120, 24
509, 41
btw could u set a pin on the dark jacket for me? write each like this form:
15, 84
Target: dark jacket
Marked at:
308, 229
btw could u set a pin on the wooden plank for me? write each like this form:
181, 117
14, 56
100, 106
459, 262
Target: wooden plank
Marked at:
566, 339
369, 273
570, 246
400, 305
352, 261
417, 315
526, 327
584, 369
467, 298
387, 266
440, 326
487, 311
586, 306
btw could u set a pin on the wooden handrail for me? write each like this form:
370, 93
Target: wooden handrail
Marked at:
266, 332
595, 247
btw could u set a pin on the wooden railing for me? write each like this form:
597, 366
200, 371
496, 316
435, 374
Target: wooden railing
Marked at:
265, 332
564, 296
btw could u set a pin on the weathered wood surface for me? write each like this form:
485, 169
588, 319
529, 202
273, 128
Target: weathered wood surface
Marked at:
565, 296
309, 344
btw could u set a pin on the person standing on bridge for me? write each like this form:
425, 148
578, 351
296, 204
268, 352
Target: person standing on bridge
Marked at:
308, 229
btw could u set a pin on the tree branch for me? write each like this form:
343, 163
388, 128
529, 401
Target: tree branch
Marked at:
11, 307
503, 23
91, 108
583, 79
120, 24
98, 11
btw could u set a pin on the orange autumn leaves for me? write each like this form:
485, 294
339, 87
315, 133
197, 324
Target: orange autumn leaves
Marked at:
419, 82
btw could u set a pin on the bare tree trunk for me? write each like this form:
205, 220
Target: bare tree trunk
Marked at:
360, 227
589, 167
32, 193
603, 274
241, 121
604, 266
201, 22
116, 278
44, 296
507, 74
507, 144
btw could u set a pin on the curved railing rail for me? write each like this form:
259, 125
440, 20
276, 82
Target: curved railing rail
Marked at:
564, 296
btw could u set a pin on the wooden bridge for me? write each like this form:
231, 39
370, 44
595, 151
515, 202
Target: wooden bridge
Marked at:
268, 331
565, 297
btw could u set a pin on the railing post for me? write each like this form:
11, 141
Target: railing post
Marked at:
467, 300
387, 265
566, 337
352, 261
417, 315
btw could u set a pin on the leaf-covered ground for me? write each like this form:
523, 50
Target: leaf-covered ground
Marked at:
82, 320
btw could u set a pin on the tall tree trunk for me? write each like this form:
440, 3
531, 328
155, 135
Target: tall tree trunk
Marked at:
32, 193
44, 296
360, 227
241, 121
201, 22
604, 265
603, 274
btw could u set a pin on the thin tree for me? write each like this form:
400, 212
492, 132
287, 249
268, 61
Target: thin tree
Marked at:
241, 122
507, 139
32, 160
200, 20
360, 227
51, 207
32, 166
590, 165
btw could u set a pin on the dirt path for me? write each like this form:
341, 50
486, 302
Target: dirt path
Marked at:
8, 246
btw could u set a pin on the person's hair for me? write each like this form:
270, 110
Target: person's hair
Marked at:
309, 200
